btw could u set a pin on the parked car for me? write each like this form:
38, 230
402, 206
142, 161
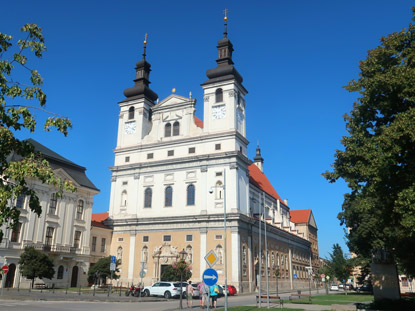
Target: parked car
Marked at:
341, 286
367, 288
231, 290
165, 289
334, 287
223, 289
349, 287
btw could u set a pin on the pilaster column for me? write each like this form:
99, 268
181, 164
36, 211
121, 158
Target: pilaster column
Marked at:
131, 257
203, 251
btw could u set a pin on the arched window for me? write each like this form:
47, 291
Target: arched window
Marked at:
176, 128
167, 130
80, 210
124, 198
168, 196
218, 96
219, 253
131, 113
60, 273
191, 195
272, 259
219, 190
244, 254
148, 194
189, 256
144, 254
119, 254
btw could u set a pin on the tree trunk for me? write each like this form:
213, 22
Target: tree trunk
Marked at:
33, 281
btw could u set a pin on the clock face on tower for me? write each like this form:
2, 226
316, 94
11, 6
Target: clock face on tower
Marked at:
129, 127
218, 112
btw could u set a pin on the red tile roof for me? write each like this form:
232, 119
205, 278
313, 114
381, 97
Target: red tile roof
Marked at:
199, 123
300, 216
99, 217
258, 178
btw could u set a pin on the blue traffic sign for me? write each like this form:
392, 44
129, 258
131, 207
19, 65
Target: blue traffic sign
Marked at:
295, 276
210, 277
112, 259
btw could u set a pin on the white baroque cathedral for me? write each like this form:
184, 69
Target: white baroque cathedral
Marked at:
174, 174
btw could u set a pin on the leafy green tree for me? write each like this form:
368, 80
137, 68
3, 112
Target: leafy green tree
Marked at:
378, 160
35, 264
20, 96
173, 272
101, 270
339, 264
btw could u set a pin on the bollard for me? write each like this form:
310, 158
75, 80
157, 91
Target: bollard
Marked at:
120, 288
79, 292
53, 288
66, 289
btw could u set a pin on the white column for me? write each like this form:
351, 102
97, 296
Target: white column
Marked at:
131, 257
250, 263
236, 256
290, 267
203, 251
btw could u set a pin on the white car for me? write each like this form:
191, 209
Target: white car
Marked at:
334, 288
165, 289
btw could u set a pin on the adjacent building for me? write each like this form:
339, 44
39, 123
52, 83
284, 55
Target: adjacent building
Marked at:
62, 230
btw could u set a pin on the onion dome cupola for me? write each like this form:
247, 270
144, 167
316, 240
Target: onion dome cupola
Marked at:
258, 159
141, 88
225, 69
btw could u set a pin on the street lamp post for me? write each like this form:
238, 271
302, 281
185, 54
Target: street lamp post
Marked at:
182, 257
224, 239
327, 285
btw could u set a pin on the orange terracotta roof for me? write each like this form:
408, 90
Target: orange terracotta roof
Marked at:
258, 178
99, 217
99, 224
199, 123
300, 216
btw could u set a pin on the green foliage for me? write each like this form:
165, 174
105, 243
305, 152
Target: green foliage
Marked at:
15, 116
35, 264
378, 160
173, 272
101, 269
339, 265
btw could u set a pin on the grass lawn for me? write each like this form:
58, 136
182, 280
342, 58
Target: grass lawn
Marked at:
251, 308
340, 299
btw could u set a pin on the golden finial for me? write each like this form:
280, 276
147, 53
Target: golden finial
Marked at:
174, 90
225, 11
145, 39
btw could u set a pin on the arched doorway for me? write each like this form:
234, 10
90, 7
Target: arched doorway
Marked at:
10, 276
74, 279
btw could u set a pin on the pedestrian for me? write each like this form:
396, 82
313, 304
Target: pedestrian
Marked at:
204, 295
214, 291
189, 291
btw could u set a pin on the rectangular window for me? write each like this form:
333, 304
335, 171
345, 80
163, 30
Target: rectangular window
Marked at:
218, 174
127, 159
103, 241
49, 235
120, 239
94, 243
189, 238
166, 238
170, 153
80, 210
217, 147
192, 150
52, 204
16, 233
145, 238
77, 239
20, 201
150, 155
218, 237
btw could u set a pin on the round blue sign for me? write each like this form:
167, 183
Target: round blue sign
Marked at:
210, 277
295, 276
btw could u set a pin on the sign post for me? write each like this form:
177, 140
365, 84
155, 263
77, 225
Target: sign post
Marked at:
4, 270
142, 275
210, 277
113, 266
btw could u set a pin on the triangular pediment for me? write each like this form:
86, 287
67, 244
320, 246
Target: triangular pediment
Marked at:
59, 172
174, 101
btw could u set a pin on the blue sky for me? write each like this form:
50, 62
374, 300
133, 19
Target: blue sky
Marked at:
295, 56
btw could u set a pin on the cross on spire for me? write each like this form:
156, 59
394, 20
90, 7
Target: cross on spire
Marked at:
145, 46
225, 33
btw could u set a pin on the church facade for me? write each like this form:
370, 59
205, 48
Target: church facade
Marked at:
174, 175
